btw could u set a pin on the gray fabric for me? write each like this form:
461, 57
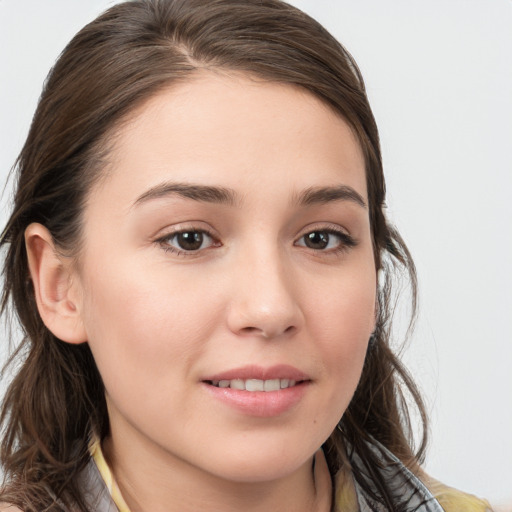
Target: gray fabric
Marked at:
409, 493
96, 494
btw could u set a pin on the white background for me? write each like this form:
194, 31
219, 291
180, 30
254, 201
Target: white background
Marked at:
439, 77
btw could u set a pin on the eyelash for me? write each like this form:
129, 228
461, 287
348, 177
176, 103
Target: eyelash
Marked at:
165, 241
346, 241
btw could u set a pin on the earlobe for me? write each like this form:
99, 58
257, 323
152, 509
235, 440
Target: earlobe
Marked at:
55, 291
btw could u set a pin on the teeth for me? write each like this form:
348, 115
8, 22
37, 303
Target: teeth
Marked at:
272, 385
237, 384
255, 384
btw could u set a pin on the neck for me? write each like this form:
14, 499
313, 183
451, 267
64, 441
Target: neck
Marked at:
153, 483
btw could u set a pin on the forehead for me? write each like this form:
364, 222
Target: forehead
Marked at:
236, 130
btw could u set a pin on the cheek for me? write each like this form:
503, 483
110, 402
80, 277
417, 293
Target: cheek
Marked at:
342, 311
138, 324
344, 342
340, 323
342, 318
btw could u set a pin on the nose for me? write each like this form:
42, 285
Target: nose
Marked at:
264, 298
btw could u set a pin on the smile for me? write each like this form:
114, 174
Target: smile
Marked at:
254, 384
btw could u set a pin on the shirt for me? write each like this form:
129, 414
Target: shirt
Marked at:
102, 493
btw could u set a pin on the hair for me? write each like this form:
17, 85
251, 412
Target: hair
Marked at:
114, 64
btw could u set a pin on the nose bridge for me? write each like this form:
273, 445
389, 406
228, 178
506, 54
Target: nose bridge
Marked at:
264, 300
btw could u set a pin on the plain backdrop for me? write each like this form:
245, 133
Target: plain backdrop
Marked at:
439, 78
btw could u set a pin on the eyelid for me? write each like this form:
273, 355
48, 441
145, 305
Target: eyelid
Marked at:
163, 237
180, 227
324, 226
347, 240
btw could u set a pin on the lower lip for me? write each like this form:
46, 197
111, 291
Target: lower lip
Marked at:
263, 404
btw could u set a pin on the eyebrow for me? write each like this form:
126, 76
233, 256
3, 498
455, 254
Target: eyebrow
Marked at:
322, 195
203, 193
222, 195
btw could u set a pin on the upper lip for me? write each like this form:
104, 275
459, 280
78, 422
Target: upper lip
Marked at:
280, 371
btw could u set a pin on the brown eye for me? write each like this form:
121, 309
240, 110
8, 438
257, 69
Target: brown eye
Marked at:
326, 240
188, 241
317, 240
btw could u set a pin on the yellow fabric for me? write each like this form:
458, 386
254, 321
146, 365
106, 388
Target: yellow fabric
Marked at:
450, 499
97, 455
345, 497
453, 500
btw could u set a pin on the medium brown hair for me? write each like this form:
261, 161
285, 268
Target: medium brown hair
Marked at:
111, 66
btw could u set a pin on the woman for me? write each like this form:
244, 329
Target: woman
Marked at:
199, 258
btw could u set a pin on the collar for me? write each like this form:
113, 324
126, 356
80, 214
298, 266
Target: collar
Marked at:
105, 489
107, 476
103, 494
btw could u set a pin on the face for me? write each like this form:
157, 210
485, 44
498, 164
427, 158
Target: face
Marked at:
227, 282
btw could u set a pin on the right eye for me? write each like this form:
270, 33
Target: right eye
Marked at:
187, 241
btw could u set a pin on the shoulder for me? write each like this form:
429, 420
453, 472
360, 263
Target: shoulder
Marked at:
453, 500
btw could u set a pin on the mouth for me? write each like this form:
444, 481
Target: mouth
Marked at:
262, 392
254, 378
254, 385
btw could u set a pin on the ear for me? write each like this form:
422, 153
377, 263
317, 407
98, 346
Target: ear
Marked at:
57, 293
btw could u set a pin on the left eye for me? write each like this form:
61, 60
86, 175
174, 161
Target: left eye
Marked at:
323, 240
189, 240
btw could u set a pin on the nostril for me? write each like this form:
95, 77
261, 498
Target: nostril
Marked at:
250, 330
267, 334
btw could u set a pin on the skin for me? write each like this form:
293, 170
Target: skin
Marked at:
158, 322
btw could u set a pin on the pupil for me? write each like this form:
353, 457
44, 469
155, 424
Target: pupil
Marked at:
317, 240
190, 240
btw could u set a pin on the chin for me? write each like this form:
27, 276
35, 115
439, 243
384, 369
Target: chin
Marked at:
262, 465
252, 474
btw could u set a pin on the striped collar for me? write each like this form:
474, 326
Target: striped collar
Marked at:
103, 494
107, 476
